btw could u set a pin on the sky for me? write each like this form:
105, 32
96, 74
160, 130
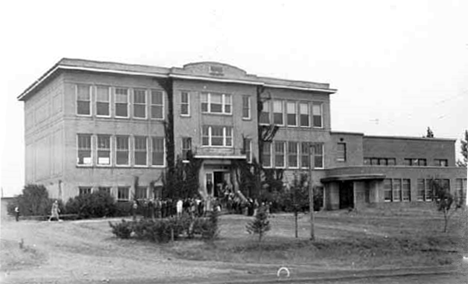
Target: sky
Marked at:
399, 66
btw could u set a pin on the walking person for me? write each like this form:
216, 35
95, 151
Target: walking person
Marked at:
54, 212
134, 209
17, 213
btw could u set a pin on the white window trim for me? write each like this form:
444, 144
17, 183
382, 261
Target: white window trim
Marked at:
284, 154
323, 157
321, 115
188, 104
270, 111
110, 151
271, 157
164, 153
134, 152
128, 151
249, 117
78, 150
223, 104
151, 104
210, 136
182, 142
309, 114
128, 191
301, 155
128, 102
109, 101
90, 100
282, 112
296, 113
297, 154
250, 153
146, 104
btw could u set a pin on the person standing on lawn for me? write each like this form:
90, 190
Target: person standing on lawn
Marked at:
17, 213
54, 213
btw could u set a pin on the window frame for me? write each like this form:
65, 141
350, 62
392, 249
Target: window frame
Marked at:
247, 108
209, 103
99, 149
301, 114
305, 155
270, 165
107, 189
127, 193
153, 152
341, 158
88, 189
115, 102
280, 154
320, 104
224, 136
151, 104
90, 105
266, 103
97, 87
136, 151
296, 154
182, 103
322, 154
117, 150
135, 104
274, 113
288, 103
186, 141
91, 148
139, 190
404, 190
248, 150
388, 190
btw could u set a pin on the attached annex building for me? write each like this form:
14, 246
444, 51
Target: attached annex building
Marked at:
93, 125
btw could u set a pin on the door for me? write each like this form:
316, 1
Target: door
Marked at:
346, 195
209, 183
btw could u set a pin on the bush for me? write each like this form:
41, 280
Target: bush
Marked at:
208, 228
94, 205
122, 230
123, 209
34, 201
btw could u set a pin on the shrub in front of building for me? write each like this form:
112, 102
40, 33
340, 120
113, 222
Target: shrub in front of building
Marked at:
95, 205
33, 201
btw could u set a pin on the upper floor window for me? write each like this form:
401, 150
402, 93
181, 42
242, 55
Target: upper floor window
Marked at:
216, 70
415, 162
441, 162
266, 154
122, 151
140, 151
83, 99
305, 157
216, 103
279, 154
85, 157
157, 104
248, 149
139, 103
341, 152
103, 150
246, 107
292, 113
157, 151
317, 114
121, 102
217, 136
265, 113
292, 154
304, 114
318, 156
185, 104
278, 112
186, 147
102, 101
380, 161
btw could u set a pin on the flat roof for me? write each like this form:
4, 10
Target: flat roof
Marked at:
410, 138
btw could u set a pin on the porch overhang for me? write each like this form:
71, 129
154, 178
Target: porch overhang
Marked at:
220, 157
354, 177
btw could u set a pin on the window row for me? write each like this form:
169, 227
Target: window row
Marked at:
120, 102
280, 154
291, 113
215, 103
122, 194
396, 190
120, 150
406, 162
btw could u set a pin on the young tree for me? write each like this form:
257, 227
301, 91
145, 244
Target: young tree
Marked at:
444, 200
464, 151
260, 225
297, 199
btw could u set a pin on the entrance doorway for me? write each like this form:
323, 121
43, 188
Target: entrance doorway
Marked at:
346, 195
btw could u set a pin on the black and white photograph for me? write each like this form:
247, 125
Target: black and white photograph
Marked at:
234, 141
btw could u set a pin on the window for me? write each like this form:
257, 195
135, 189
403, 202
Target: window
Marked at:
391, 161
105, 189
317, 115
279, 154
421, 191
141, 192
122, 151
441, 162
265, 113
379, 161
460, 190
292, 154
103, 150
184, 104
216, 103
157, 104
318, 156
140, 151
83, 190
278, 112
406, 190
84, 150
83, 99
428, 190
341, 152
157, 151
248, 149
246, 107
396, 190
305, 159
123, 193
217, 136
304, 114
216, 70
139, 103
388, 190
367, 161
186, 147
266, 154
102, 101
121, 102
292, 113
415, 162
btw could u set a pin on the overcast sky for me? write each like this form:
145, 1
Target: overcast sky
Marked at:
399, 66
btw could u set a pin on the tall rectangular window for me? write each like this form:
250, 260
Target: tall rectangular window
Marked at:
279, 154
246, 107
265, 113
185, 104
102, 101
406, 190
139, 103
157, 104
304, 112
291, 113
85, 157
157, 151
84, 190
103, 150
217, 136
122, 151
441, 162
341, 152
388, 190
121, 102
186, 147
317, 114
123, 193
83, 99
266, 155
216, 103
292, 154
421, 192
305, 158
396, 189
460, 190
141, 192
278, 112
428, 190
318, 156
248, 149
140, 151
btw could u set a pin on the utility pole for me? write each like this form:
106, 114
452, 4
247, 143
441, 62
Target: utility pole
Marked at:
311, 190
